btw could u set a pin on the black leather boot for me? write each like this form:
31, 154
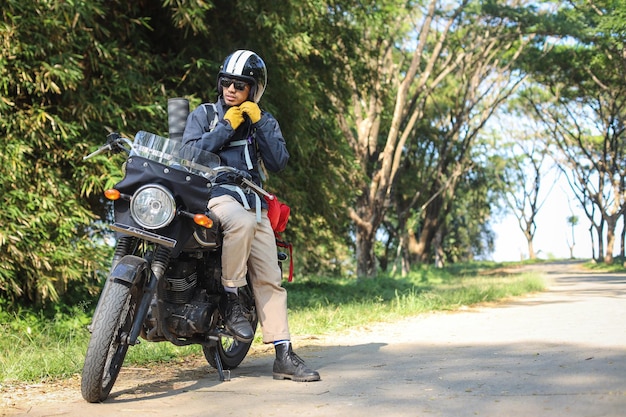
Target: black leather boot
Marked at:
288, 365
235, 318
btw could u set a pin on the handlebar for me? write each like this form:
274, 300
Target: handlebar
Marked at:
115, 143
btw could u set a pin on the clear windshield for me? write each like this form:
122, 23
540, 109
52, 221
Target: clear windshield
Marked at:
170, 152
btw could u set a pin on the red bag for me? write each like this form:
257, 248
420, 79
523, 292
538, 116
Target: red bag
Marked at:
278, 213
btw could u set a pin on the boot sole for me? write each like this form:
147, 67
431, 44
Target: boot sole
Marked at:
296, 378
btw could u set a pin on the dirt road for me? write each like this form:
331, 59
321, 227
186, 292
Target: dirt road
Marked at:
558, 353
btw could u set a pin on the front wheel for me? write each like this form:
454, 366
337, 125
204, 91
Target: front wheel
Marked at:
107, 347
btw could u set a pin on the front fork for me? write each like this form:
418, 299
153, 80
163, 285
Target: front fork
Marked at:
158, 269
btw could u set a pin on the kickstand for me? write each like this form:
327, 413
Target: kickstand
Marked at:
224, 376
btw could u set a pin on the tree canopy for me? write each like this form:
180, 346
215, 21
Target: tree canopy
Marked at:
383, 105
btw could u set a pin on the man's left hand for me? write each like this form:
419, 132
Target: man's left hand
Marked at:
252, 110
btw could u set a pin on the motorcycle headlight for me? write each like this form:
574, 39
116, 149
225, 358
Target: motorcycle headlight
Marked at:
153, 206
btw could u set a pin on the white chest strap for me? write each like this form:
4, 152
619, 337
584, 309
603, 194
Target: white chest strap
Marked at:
243, 142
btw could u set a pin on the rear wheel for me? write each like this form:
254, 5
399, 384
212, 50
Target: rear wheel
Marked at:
111, 325
231, 351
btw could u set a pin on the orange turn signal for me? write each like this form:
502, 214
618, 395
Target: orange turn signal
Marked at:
112, 194
203, 220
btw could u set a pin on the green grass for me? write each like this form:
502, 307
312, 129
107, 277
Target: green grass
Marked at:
35, 347
320, 306
618, 265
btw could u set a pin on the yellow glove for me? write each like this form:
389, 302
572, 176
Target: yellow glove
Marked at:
252, 110
234, 116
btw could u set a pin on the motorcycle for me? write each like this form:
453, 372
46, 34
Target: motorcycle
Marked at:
165, 280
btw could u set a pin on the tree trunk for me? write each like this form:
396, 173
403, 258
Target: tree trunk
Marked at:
531, 250
600, 234
366, 259
367, 220
593, 242
611, 225
438, 249
412, 246
622, 251
430, 226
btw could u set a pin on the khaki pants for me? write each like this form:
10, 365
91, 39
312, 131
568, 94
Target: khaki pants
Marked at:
249, 246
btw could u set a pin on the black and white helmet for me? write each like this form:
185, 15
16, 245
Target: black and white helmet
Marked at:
248, 66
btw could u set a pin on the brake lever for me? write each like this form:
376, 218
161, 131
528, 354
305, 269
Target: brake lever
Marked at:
114, 144
256, 188
106, 147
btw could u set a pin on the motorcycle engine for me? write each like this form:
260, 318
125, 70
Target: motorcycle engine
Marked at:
182, 279
188, 307
189, 319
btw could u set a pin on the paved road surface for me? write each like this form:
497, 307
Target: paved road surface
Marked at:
559, 353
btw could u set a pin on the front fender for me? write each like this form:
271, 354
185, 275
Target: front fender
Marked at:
129, 270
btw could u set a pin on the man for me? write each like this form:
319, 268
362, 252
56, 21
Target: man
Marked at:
247, 138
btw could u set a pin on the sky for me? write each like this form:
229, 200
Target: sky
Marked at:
553, 234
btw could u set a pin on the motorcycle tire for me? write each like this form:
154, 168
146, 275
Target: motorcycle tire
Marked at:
106, 350
231, 351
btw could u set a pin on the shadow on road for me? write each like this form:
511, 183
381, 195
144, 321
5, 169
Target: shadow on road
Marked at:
557, 353
401, 379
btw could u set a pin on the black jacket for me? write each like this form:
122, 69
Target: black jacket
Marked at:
265, 140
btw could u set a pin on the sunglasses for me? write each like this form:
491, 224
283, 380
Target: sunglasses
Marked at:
239, 85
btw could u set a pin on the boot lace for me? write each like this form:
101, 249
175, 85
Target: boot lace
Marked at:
295, 359
235, 308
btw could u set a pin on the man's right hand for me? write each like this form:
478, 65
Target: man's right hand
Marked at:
234, 116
